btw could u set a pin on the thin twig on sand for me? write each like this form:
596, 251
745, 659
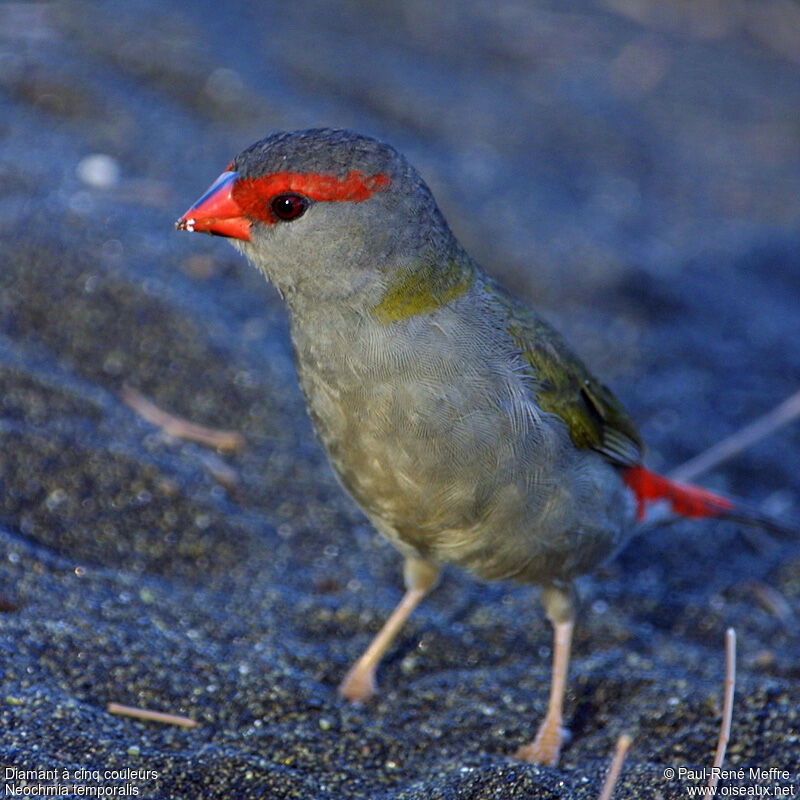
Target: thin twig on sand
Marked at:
781, 415
178, 427
772, 601
623, 744
152, 716
727, 706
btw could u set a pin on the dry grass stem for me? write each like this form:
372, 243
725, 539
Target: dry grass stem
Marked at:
772, 601
727, 706
781, 415
178, 427
623, 744
152, 716
223, 473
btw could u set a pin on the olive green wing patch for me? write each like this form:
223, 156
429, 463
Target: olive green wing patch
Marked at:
619, 438
595, 418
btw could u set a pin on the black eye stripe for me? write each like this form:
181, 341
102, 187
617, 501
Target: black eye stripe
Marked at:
287, 207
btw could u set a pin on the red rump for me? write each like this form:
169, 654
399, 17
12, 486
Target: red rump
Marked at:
688, 501
251, 194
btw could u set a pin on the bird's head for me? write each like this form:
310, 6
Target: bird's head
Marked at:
322, 212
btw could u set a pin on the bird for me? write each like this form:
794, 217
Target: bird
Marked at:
456, 416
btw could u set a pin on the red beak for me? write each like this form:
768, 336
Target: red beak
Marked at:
217, 212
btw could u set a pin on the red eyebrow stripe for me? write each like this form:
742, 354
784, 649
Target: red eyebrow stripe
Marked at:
252, 193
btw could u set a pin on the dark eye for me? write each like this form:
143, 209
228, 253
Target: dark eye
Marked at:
288, 206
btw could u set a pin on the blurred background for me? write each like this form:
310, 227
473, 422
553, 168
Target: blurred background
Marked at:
630, 167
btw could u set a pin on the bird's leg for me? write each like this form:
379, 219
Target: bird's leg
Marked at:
359, 683
546, 746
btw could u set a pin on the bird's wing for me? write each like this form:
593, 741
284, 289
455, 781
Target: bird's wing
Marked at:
595, 418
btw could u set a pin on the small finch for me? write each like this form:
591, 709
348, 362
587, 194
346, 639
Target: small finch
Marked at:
458, 419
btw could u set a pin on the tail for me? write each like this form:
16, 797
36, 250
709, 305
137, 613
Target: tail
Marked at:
694, 502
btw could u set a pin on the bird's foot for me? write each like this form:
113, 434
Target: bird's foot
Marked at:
358, 685
546, 746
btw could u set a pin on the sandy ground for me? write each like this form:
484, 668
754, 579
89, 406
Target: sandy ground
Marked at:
631, 170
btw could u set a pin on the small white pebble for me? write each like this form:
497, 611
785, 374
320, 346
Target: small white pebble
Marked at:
55, 499
98, 171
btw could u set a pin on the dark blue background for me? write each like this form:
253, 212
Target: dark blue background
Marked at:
632, 168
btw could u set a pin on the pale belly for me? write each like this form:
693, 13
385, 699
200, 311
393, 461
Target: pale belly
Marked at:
455, 477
